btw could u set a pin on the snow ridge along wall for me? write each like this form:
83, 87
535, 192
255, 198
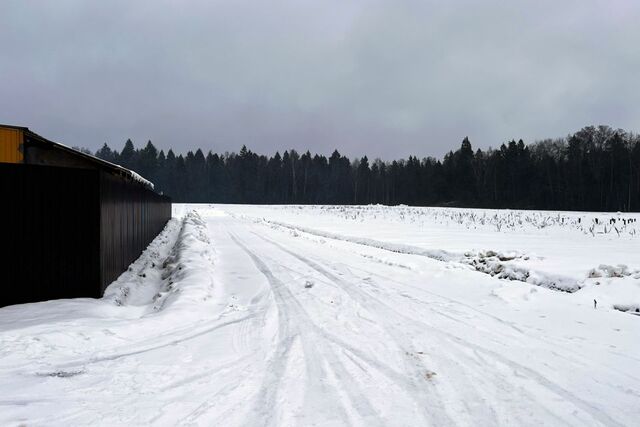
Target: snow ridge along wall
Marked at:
175, 270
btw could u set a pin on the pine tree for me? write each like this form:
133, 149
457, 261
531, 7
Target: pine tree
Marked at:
127, 156
105, 153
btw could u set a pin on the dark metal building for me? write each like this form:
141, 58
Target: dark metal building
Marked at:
71, 223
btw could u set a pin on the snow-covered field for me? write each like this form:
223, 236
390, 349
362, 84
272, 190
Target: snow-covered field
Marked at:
332, 315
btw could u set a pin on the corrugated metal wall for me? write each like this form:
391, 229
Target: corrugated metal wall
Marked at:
10, 141
69, 232
49, 233
130, 216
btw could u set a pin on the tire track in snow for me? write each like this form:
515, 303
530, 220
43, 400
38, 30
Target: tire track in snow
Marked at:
573, 357
265, 400
305, 330
570, 356
426, 395
541, 380
175, 341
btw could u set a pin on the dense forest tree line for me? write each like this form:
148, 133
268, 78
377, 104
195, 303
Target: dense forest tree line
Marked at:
596, 168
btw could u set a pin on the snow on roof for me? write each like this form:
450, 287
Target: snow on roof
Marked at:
132, 174
128, 172
137, 177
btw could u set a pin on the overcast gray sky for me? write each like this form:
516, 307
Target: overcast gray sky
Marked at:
387, 78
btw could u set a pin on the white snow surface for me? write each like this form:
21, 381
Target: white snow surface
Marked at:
139, 178
337, 315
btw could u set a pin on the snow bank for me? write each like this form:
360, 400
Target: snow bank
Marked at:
393, 247
187, 271
176, 265
501, 266
140, 283
620, 270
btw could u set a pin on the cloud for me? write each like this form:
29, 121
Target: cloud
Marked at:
385, 78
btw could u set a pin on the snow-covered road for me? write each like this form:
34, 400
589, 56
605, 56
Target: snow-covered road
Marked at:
232, 319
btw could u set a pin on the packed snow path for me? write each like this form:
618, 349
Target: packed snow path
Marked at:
231, 320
